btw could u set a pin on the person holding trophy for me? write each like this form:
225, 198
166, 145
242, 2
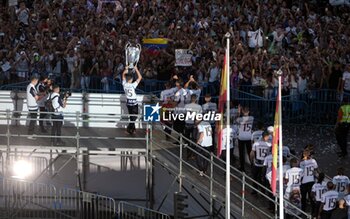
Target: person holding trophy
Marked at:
129, 85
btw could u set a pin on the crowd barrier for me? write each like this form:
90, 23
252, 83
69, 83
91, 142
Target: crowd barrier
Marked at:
24, 199
131, 211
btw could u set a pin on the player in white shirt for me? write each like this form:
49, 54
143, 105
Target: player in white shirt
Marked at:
168, 93
233, 135
181, 94
32, 104
210, 107
189, 131
179, 100
293, 177
256, 135
318, 189
205, 140
245, 125
258, 154
341, 182
131, 99
309, 167
328, 202
268, 163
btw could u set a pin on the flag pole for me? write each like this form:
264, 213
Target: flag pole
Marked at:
228, 158
280, 147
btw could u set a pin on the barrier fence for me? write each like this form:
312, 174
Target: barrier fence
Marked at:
131, 211
25, 199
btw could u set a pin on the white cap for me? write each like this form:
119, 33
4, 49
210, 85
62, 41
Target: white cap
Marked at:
36, 54
270, 129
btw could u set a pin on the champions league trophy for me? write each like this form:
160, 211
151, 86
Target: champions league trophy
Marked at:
132, 55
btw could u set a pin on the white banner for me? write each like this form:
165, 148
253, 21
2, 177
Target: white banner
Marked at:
339, 2
183, 57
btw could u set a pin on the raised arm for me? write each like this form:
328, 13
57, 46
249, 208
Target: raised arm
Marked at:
189, 81
124, 73
139, 76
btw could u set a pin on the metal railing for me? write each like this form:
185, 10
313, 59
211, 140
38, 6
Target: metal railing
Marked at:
20, 199
77, 204
131, 211
214, 188
25, 199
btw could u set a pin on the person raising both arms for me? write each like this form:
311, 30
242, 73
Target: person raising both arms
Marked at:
129, 87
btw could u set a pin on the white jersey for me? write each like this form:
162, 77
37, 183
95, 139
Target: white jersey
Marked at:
168, 93
31, 93
261, 149
129, 89
180, 97
329, 200
341, 184
293, 175
224, 137
192, 108
205, 128
245, 125
256, 136
319, 189
308, 167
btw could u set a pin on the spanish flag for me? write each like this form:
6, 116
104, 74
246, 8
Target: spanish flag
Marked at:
275, 142
222, 101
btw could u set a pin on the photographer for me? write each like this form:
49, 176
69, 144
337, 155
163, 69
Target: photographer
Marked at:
43, 90
58, 103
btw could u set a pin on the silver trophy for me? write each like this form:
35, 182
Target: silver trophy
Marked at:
132, 55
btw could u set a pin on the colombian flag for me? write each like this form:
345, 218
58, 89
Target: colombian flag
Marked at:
222, 101
275, 141
153, 45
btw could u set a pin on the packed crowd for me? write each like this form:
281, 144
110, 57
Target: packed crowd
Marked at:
82, 43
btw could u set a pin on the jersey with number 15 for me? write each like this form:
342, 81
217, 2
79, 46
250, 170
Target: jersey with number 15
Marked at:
129, 89
294, 175
341, 182
205, 128
245, 125
309, 166
261, 149
329, 200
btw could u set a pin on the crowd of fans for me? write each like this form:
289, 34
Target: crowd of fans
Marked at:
82, 43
